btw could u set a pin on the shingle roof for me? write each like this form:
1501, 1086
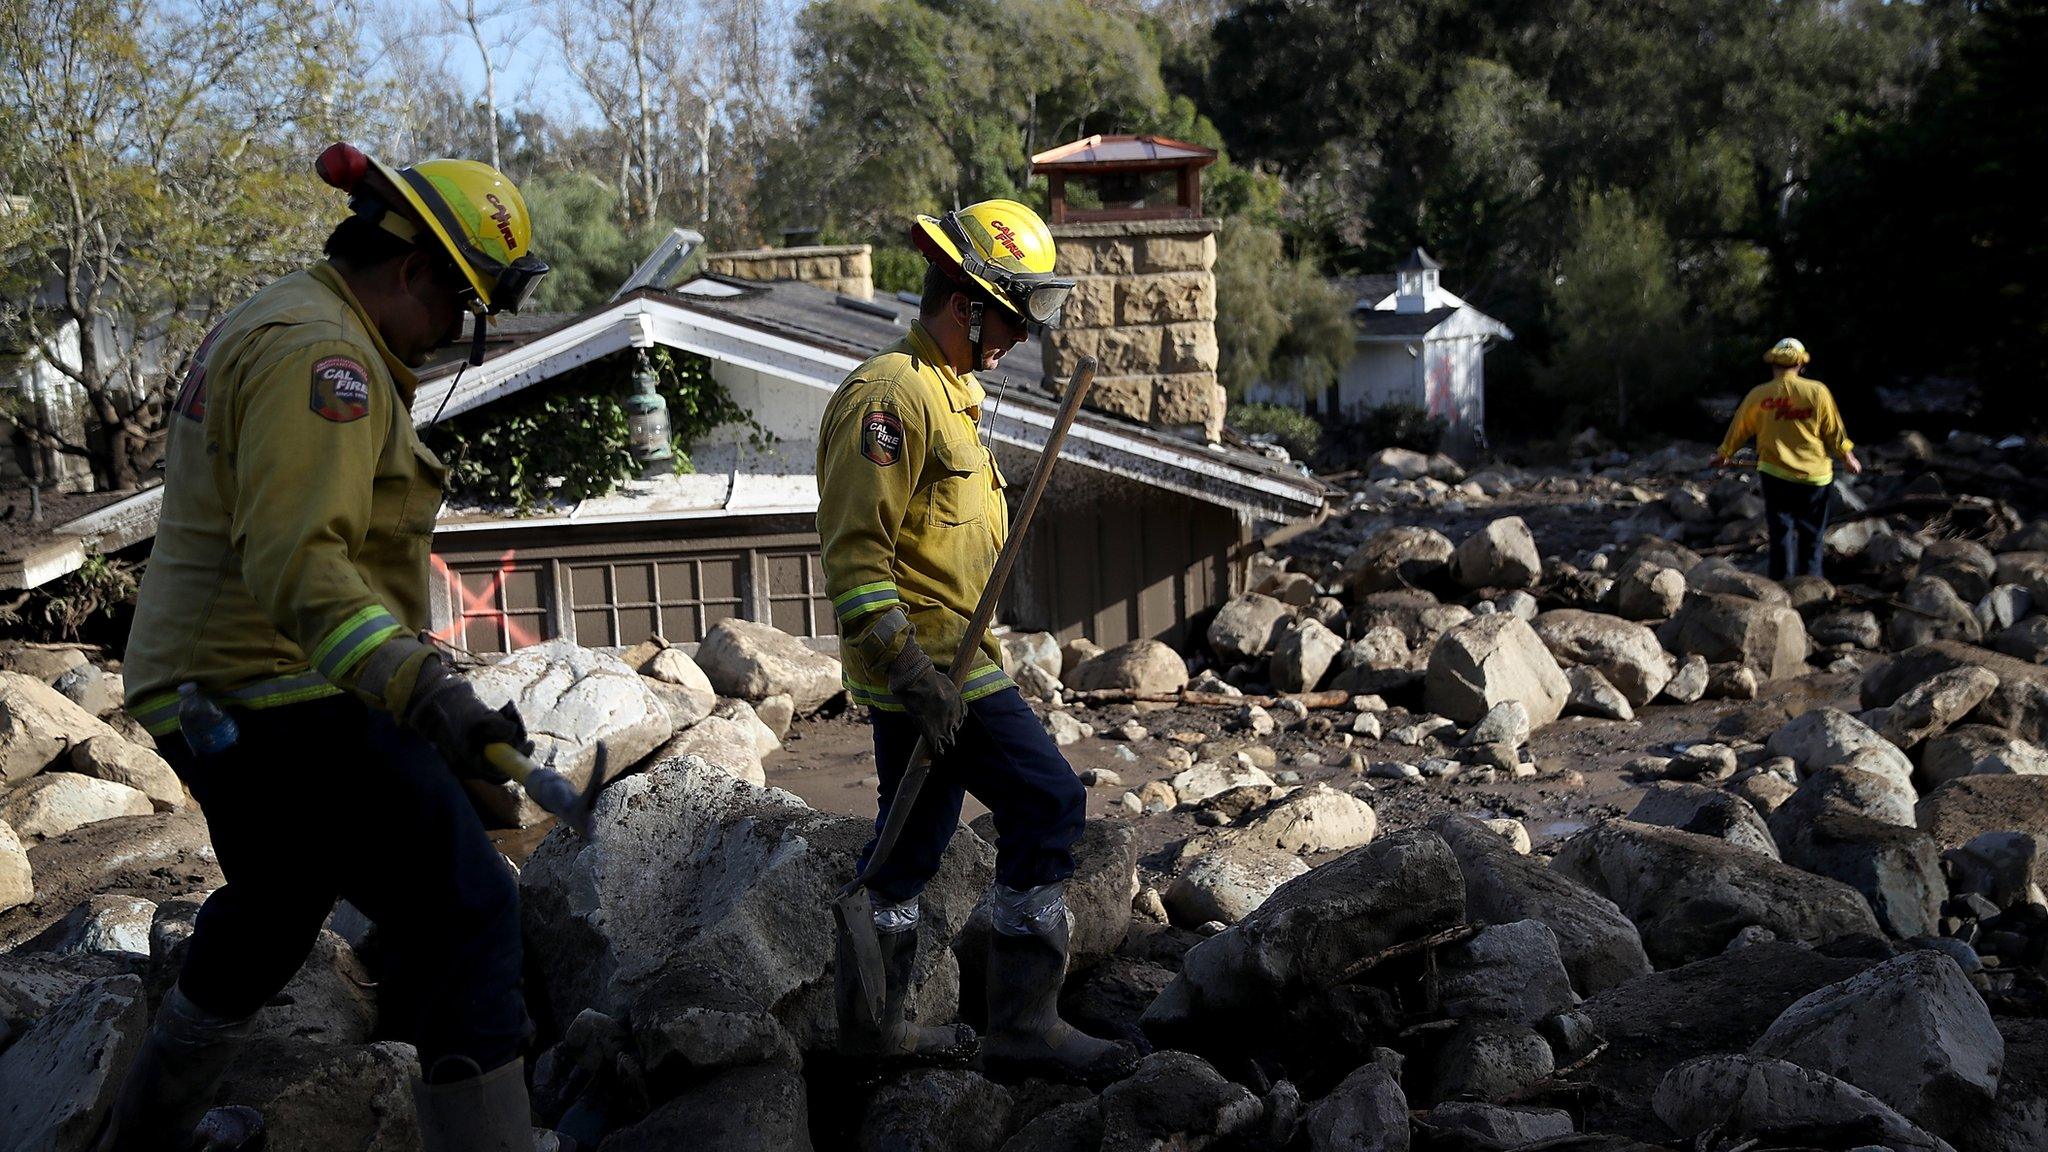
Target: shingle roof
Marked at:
1394, 325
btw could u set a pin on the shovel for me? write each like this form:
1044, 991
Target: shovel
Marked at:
852, 908
549, 788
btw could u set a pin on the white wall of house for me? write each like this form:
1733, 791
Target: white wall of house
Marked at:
1378, 375
45, 390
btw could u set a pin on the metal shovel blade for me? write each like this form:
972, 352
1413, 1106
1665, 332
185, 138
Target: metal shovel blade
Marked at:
856, 916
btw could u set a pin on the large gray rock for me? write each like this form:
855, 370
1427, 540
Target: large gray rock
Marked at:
1592, 695
756, 1109
1648, 592
2019, 703
1599, 946
690, 864
572, 699
755, 661
1962, 810
1823, 737
1689, 894
17, 879
57, 802
1964, 565
1624, 652
39, 726
1707, 811
1979, 750
115, 759
1869, 794
1247, 627
722, 742
688, 692
1491, 1126
59, 1079
1400, 557
1490, 1060
1256, 982
1940, 1058
936, 1110
111, 925
1174, 1100
1898, 870
1142, 666
1740, 1095
1507, 972
1367, 1112
1215, 777
1770, 638
1314, 819
1928, 709
1230, 882
1491, 659
1501, 555
330, 1097
1304, 656
154, 857
1932, 611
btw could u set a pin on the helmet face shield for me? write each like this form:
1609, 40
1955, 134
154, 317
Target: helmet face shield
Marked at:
510, 285
1035, 296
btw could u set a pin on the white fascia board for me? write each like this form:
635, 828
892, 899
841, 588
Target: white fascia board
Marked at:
572, 520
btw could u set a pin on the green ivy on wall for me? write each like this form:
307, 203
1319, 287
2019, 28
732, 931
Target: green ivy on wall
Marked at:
567, 440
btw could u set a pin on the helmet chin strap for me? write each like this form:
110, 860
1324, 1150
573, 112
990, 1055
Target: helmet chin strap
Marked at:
974, 332
476, 341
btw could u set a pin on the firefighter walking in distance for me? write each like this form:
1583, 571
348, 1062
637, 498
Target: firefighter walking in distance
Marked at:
275, 655
1798, 433
912, 516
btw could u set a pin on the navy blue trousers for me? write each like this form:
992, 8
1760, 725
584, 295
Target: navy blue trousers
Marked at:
1796, 516
332, 799
1003, 757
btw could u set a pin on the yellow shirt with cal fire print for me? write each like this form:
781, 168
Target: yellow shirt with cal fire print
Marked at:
292, 550
1797, 429
911, 513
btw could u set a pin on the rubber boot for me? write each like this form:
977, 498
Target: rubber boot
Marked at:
170, 1086
895, 1036
475, 1113
1026, 1037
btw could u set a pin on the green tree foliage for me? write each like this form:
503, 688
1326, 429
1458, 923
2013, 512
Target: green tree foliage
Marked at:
1290, 428
576, 228
1276, 318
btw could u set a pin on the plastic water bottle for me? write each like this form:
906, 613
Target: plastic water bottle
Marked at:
207, 729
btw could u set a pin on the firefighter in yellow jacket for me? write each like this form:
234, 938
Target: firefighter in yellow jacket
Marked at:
275, 656
912, 516
1798, 433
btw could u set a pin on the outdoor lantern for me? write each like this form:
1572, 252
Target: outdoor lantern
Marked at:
647, 427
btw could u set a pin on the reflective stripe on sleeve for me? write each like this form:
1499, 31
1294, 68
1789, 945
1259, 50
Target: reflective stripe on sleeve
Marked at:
855, 603
354, 639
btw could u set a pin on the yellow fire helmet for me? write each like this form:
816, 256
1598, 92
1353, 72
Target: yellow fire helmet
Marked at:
476, 215
1787, 353
1004, 248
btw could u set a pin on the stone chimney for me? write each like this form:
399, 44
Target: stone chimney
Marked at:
844, 268
1144, 305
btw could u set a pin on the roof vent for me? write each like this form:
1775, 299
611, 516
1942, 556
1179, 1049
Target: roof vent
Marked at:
670, 263
867, 306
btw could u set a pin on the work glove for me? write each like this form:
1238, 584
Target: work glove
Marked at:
445, 709
929, 696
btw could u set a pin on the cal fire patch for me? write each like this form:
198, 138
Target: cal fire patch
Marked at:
881, 438
341, 390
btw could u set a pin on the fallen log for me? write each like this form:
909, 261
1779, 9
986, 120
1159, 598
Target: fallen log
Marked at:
1329, 699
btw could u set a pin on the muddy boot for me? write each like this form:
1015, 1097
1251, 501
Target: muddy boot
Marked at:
1026, 1037
176, 1071
462, 1111
894, 1037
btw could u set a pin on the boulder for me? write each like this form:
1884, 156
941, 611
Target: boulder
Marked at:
1396, 464
1689, 683
328, 1097
1174, 1100
692, 696
1367, 1112
1852, 628
572, 699
1072, 1127
1511, 973
1490, 1060
755, 1109
59, 1079
1999, 866
46, 664
723, 742
1823, 737
1930, 610
1871, 795
1314, 819
1247, 627
1146, 666
1599, 946
2023, 639
1229, 882
155, 857
754, 661
1964, 809
1040, 648
1304, 656
1742, 1095
115, 759
1979, 750
1770, 638
39, 726
1215, 777
1731, 682
689, 1020
1626, 653
1898, 870
1941, 1055
1928, 709
57, 802
1501, 555
1491, 659
1490, 1126
111, 925
691, 864
1707, 811
1719, 577
17, 879
2019, 703
1690, 894
936, 1110
1648, 592
1592, 694
1400, 557
1964, 565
